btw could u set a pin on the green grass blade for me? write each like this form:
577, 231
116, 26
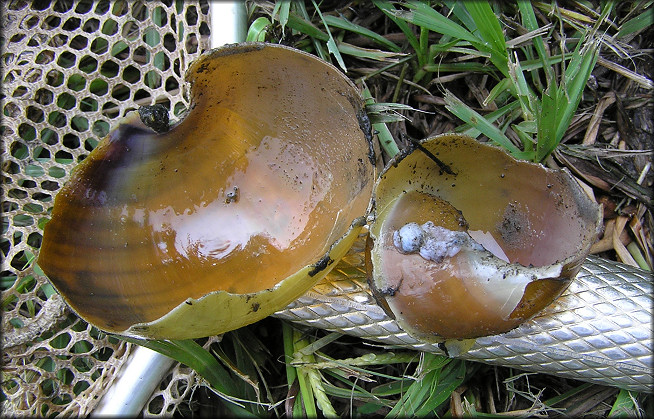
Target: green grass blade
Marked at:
576, 75
636, 24
575, 79
309, 29
282, 8
331, 44
424, 16
449, 379
306, 27
474, 119
287, 336
342, 23
548, 122
386, 140
392, 388
424, 392
258, 30
500, 90
624, 406
351, 390
530, 22
360, 52
466, 129
458, 10
389, 10
306, 390
489, 30
459, 68
527, 99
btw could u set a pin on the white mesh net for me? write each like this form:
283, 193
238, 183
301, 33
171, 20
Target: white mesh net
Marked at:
71, 69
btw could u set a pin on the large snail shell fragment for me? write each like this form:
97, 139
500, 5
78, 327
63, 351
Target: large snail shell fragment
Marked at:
227, 217
469, 242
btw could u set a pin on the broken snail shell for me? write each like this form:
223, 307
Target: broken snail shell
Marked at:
469, 242
228, 216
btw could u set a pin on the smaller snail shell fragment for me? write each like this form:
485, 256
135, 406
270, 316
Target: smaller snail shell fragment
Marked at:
532, 228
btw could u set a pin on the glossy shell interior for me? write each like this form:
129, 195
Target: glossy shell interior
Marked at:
540, 219
257, 185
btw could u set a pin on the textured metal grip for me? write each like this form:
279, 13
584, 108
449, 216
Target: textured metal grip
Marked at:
598, 331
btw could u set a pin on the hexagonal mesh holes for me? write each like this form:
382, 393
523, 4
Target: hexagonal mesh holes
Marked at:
71, 69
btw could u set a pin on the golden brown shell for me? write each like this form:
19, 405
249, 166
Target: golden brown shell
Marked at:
228, 216
448, 280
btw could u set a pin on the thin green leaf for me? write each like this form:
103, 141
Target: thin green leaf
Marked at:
449, 379
624, 406
460, 67
360, 52
306, 389
389, 10
635, 252
458, 10
504, 85
456, 46
342, 23
423, 392
386, 140
575, 79
305, 21
331, 44
530, 22
548, 121
466, 129
489, 30
385, 107
282, 7
423, 15
468, 115
392, 388
526, 97
287, 336
638, 23
258, 30
385, 118
352, 390
306, 27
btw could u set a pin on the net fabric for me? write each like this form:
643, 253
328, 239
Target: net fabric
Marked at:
176, 389
70, 70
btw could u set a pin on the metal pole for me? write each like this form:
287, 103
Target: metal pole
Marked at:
228, 22
137, 380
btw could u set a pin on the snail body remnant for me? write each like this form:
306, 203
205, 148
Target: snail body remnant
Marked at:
432, 242
482, 257
224, 217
